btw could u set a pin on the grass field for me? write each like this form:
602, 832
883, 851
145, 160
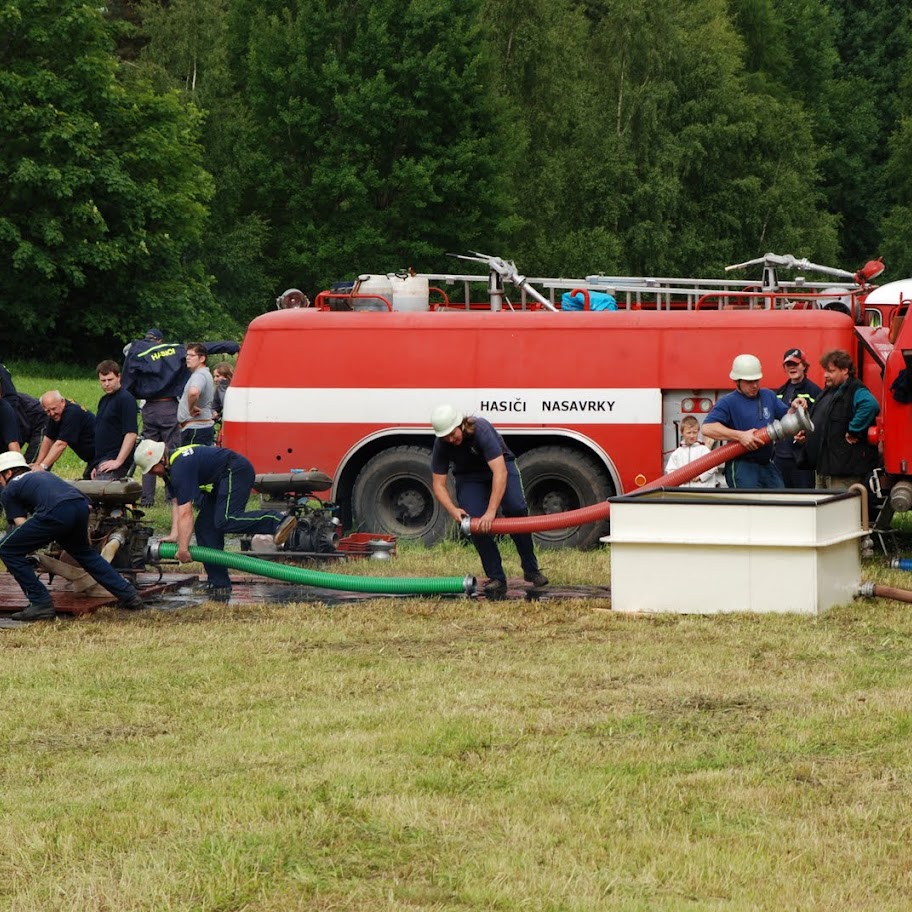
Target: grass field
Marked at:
443, 754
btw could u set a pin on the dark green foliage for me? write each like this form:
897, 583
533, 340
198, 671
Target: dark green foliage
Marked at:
104, 196
181, 162
381, 137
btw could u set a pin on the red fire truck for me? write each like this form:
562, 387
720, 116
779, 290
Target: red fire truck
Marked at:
590, 401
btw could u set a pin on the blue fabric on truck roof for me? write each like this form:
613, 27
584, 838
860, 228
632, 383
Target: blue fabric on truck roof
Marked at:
598, 300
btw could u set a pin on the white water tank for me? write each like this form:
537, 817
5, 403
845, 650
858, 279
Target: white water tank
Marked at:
714, 550
379, 285
410, 292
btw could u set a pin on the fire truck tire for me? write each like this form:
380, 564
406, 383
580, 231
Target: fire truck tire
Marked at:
393, 494
558, 479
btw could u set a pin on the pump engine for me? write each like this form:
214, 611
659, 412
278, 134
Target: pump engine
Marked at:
318, 527
116, 525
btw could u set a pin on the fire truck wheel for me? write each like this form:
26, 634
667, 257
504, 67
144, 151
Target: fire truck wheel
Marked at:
558, 479
393, 494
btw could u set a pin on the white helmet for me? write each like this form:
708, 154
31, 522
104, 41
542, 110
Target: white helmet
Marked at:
11, 460
746, 367
445, 420
148, 453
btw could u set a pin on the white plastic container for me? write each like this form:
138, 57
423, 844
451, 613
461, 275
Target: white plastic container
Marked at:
410, 293
379, 285
713, 550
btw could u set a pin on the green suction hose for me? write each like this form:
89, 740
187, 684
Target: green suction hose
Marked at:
288, 574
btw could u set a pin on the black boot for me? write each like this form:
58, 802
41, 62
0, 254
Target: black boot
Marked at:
495, 590
35, 612
134, 603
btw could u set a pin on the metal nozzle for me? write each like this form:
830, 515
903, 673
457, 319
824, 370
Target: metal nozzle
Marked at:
793, 423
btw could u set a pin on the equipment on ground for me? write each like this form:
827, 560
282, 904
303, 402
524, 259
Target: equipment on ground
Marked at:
317, 532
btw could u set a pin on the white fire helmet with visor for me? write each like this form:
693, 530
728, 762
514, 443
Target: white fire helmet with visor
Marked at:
148, 453
445, 419
746, 367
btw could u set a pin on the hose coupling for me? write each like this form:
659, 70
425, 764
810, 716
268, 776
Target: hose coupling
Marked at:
793, 423
465, 525
153, 551
865, 590
901, 563
470, 585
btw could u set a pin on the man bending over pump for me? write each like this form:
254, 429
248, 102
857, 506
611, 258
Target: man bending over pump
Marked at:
221, 481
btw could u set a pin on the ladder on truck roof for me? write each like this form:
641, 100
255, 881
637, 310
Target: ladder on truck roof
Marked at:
637, 292
671, 293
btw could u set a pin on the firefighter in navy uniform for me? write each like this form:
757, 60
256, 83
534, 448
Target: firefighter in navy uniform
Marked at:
487, 480
68, 425
156, 372
739, 416
220, 480
29, 413
9, 428
43, 509
798, 386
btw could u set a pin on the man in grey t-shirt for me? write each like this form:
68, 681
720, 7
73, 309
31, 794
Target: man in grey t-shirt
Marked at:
194, 410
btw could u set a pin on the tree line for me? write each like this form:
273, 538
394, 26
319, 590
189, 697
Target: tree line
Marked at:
178, 163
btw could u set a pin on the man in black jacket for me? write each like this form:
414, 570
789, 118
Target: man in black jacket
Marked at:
156, 371
838, 447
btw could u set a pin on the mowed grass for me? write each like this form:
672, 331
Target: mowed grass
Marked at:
445, 754
437, 754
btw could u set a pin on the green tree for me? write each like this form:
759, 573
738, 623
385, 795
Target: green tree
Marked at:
192, 45
379, 133
104, 198
896, 225
867, 102
674, 158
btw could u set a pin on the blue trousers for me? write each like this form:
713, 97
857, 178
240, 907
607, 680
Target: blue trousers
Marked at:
793, 477
67, 524
159, 422
225, 510
473, 494
201, 436
739, 473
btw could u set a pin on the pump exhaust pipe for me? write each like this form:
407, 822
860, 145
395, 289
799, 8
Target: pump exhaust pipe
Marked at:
780, 429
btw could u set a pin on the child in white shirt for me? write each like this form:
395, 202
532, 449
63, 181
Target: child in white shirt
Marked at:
688, 451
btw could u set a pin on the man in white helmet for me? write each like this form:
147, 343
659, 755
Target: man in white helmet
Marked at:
738, 416
220, 481
487, 479
43, 508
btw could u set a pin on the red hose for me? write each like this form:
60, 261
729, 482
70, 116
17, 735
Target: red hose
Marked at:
511, 525
898, 595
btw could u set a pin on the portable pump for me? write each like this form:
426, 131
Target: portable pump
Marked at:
318, 525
